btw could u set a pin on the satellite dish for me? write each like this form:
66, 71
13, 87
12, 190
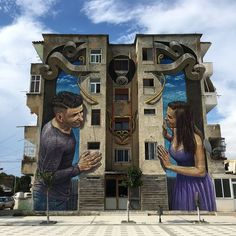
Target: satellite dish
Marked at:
207, 145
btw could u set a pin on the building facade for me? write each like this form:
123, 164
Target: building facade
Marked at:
126, 89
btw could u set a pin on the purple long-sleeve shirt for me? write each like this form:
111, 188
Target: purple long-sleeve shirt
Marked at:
56, 155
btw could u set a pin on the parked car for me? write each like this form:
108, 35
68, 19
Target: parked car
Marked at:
27, 195
7, 202
19, 195
22, 195
2, 204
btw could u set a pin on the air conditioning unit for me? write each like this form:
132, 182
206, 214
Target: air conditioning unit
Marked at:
231, 167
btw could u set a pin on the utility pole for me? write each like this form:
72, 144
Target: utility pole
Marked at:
14, 186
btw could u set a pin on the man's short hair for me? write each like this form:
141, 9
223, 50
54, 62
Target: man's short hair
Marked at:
64, 100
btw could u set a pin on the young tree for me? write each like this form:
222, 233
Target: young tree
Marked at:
47, 179
132, 180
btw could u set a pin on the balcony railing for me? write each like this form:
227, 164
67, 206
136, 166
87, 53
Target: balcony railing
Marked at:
210, 100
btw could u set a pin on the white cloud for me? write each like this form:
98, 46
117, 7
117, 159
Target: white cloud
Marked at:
35, 8
110, 11
17, 53
215, 20
169, 85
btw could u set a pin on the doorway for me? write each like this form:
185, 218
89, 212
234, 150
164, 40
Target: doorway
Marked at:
234, 192
116, 193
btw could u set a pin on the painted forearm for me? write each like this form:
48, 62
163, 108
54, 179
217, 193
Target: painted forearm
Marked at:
190, 171
61, 175
167, 136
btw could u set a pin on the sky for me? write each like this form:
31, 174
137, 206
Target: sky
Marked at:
24, 21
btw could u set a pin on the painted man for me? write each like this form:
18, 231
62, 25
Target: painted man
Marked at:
56, 153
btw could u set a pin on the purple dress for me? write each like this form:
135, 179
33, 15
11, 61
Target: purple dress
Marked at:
186, 187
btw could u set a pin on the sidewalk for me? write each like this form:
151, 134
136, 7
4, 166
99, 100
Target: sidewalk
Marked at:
106, 218
109, 224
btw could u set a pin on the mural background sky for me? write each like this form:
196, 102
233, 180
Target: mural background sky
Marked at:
24, 21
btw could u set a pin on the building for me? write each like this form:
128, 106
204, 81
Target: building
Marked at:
126, 88
225, 187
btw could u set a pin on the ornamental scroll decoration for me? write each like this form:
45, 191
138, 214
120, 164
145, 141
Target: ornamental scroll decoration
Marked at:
183, 59
161, 78
90, 100
122, 137
62, 58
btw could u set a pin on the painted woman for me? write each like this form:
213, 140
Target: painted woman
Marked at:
187, 150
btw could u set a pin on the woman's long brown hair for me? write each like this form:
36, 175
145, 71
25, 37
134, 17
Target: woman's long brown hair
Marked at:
185, 126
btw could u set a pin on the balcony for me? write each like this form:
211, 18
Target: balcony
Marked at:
230, 166
28, 165
218, 148
210, 100
31, 133
34, 102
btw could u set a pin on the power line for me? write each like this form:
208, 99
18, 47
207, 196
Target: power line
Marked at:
17, 151
10, 161
9, 137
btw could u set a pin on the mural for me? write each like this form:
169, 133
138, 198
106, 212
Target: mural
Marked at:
187, 189
175, 89
176, 64
69, 83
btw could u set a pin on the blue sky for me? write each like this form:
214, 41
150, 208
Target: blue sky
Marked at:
24, 21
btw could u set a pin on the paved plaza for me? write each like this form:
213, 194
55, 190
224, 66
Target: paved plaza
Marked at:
111, 224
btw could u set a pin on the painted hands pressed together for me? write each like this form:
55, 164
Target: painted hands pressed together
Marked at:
164, 157
89, 161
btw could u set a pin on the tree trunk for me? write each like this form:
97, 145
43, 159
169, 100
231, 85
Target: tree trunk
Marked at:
128, 203
47, 208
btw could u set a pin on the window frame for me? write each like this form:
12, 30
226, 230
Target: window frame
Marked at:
149, 109
93, 111
96, 56
123, 150
147, 54
119, 120
148, 86
34, 82
222, 186
97, 85
90, 143
121, 59
149, 151
116, 93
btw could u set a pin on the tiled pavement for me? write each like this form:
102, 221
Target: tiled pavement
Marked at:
109, 225
120, 230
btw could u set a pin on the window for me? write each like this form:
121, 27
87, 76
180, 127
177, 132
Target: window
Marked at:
93, 145
35, 84
121, 155
29, 149
222, 188
121, 123
148, 82
149, 111
150, 150
147, 54
95, 118
95, 85
148, 86
96, 56
234, 190
121, 94
121, 64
